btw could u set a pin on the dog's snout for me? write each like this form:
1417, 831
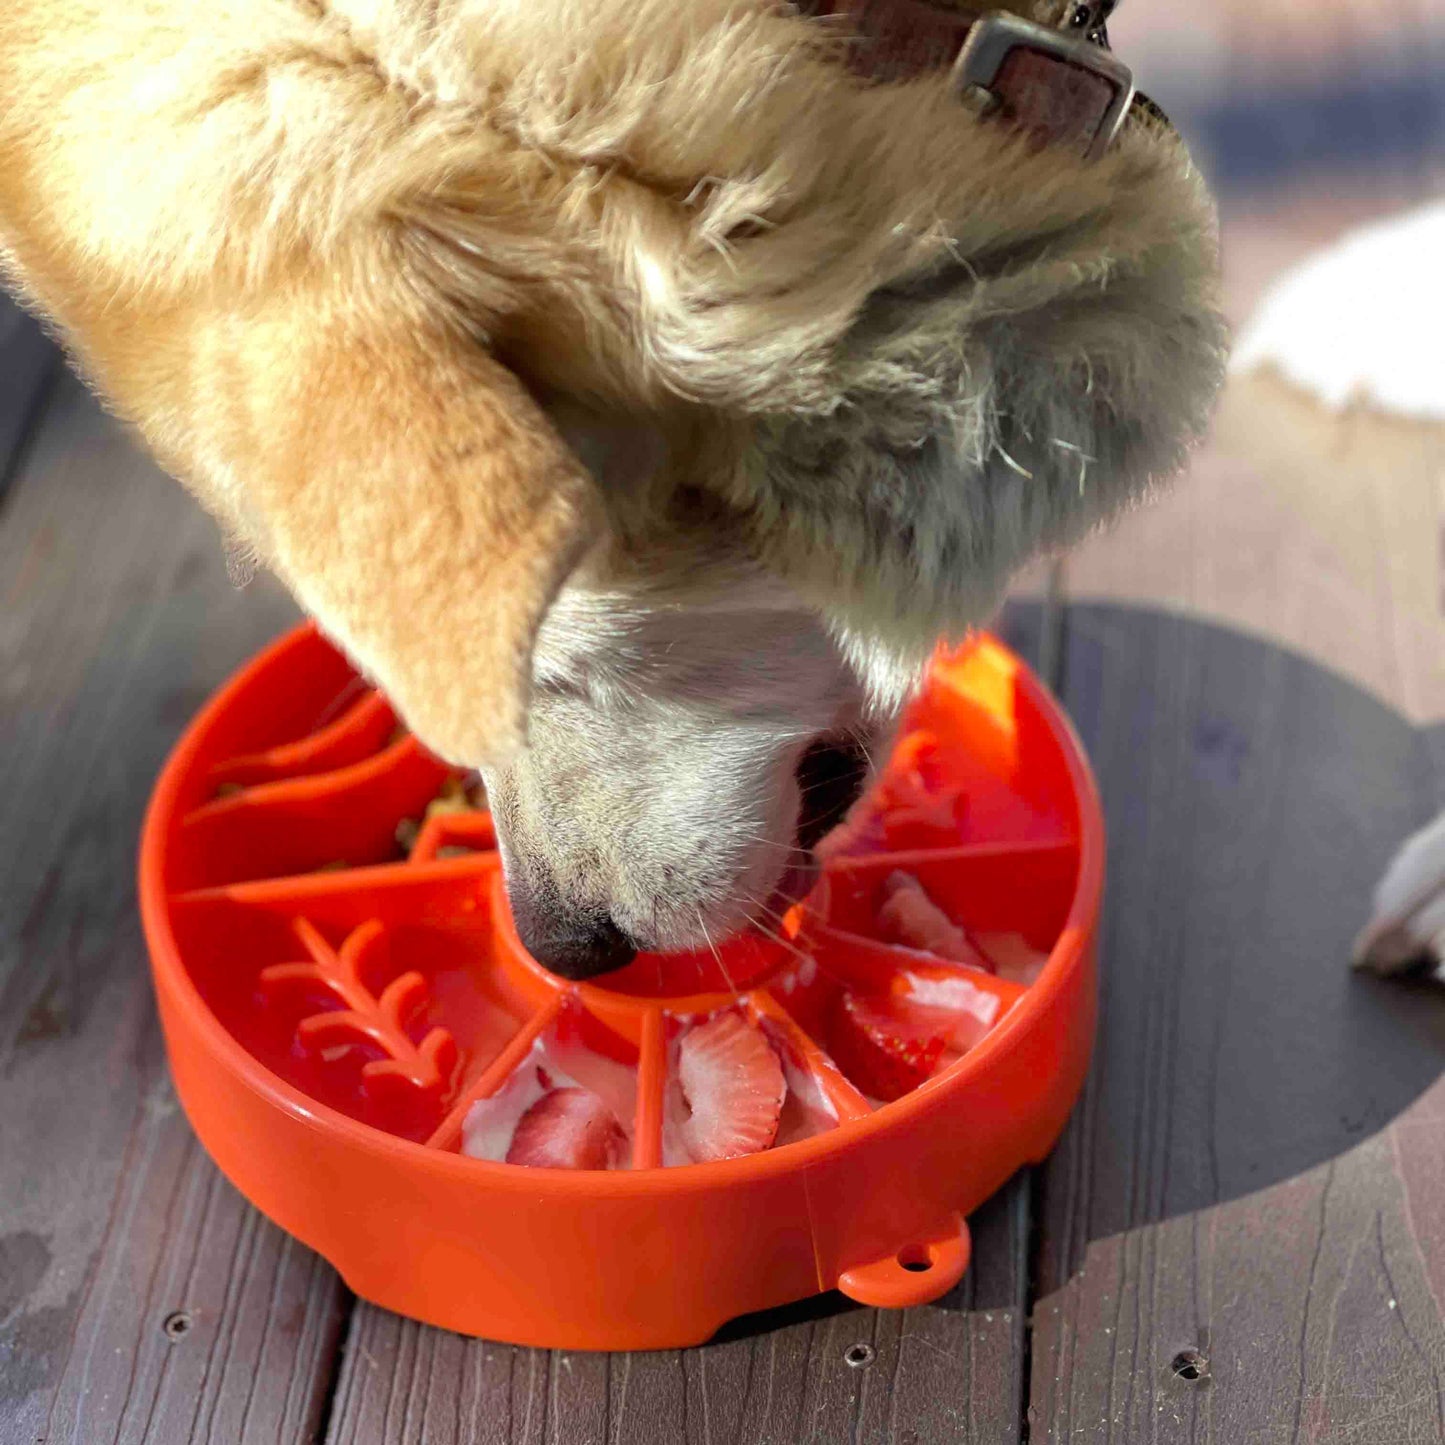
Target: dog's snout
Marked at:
577, 944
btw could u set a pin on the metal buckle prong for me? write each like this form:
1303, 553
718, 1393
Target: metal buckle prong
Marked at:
994, 37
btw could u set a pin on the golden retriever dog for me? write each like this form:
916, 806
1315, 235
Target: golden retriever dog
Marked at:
633, 389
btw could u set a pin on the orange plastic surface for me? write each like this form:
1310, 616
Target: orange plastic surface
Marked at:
333, 1009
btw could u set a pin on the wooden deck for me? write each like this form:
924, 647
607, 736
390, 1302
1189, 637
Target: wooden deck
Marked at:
1241, 1238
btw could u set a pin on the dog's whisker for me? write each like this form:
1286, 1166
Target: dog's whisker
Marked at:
776, 846
655, 930
722, 967
764, 907
774, 935
786, 944
864, 746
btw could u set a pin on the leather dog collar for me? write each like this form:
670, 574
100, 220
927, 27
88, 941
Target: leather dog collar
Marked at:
1060, 85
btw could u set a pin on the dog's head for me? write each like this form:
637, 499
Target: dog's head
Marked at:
704, 703
705, 693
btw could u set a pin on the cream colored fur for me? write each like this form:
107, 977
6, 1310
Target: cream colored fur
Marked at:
381, 280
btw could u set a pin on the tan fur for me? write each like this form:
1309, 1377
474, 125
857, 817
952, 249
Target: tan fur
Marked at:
335, 258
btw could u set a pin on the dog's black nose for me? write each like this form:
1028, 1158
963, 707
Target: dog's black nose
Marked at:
576, 945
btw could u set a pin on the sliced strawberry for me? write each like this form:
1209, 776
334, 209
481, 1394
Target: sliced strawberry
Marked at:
937, 999
909, 916
732, 1083
885, 1052
966, 1028
916, 789
1014, 957
567, 1129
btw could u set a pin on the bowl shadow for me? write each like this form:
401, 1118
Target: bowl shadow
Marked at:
1252, 798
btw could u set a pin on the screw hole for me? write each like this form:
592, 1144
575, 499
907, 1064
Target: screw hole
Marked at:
1189, 1365
914, 1258
859, 1355
176, 1325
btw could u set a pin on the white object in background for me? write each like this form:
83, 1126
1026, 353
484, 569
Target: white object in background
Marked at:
1363, 320
1408, 925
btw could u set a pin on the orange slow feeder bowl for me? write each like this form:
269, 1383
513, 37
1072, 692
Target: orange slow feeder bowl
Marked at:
334, 1011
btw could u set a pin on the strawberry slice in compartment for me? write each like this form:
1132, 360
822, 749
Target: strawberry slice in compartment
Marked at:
732, 1087
888, 1044
567, 1129
1013, 957
885, 1051
907, 915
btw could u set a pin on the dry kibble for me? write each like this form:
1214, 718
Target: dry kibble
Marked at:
464, 794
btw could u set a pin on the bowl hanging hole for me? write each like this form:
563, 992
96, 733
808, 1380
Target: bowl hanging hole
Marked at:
915, 1258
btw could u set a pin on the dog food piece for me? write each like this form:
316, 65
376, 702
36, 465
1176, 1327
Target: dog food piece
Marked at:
914, 804
916, 788
732, 1085
910, 917
459, 795
567, 1129
807, 1110
465, 794
889, 1044
885, 1053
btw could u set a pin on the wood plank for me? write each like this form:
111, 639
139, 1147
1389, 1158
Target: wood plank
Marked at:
1252, 1187
1231, 1182
1321, 533
952, 1371
140, 1298
29, 363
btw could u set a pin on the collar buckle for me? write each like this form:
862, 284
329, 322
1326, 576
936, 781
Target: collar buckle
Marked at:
999, 66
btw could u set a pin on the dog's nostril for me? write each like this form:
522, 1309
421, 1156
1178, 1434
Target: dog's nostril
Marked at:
831, 774
575, 945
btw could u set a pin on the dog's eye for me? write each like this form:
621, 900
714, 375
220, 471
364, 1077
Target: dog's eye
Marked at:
1081, 17
831, 774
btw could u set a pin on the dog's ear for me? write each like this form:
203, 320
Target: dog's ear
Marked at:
412, 494
427, 513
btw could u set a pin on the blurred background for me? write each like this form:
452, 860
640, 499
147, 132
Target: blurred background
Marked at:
1286, 88
1307, 117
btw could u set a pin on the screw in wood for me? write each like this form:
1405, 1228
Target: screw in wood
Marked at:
1191, 1365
